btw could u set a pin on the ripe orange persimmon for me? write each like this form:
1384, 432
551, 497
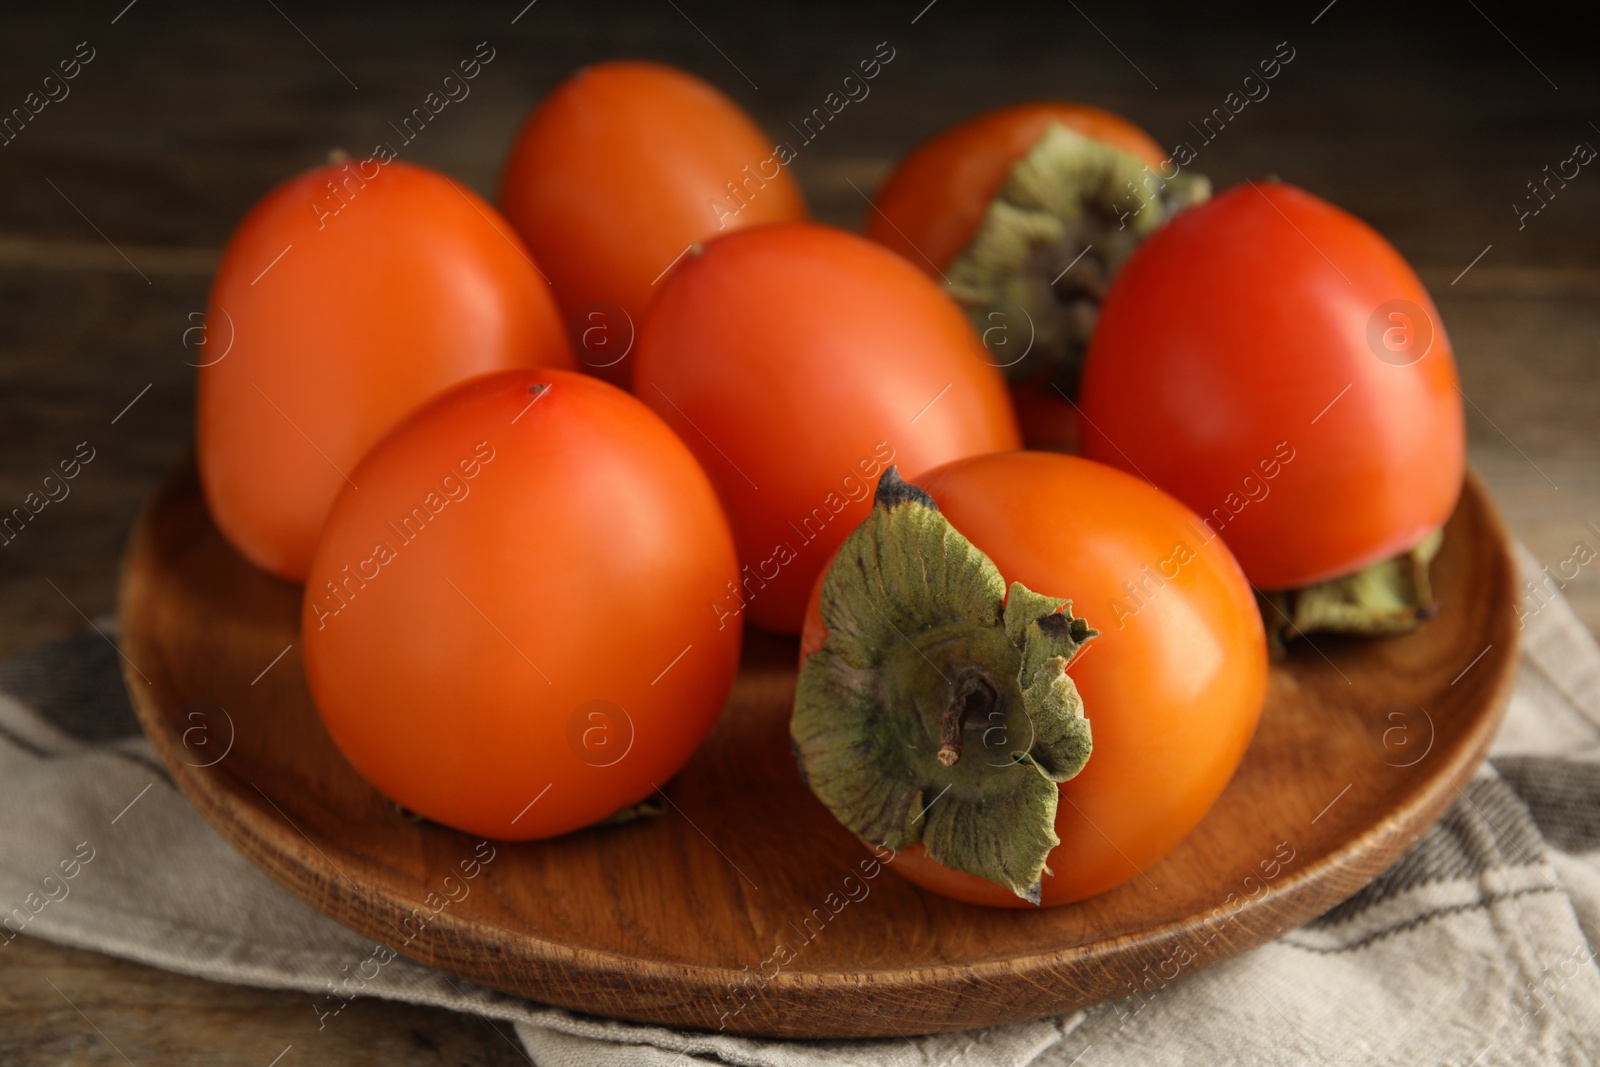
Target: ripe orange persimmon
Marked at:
616, 174
950, 667
505, 628
797, 361
931, 204
1025, 214
347, 297
1274, 363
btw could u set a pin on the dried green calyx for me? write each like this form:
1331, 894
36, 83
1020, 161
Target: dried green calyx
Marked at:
939, 708
1393, 596
1032, 277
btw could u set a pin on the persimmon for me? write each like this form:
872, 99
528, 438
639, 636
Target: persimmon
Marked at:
797, 361
1029, 674
346, 298
506, 627
1025, 214
1270, 360
616, 174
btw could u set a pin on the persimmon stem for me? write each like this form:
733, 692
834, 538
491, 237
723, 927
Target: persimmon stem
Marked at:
974, 694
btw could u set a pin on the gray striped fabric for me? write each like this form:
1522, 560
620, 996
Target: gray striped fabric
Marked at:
1476, 948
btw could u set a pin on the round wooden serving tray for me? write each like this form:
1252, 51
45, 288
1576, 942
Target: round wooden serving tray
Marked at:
745, 906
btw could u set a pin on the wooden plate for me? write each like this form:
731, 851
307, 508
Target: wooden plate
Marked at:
733, 909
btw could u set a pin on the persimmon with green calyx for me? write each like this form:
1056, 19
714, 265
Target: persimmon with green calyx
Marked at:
617, 172
998, 662
1270, 360
1026, 213
953, 705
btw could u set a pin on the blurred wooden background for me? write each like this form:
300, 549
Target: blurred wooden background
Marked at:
116, 201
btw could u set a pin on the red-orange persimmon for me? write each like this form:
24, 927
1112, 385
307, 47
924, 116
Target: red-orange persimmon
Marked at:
618, 171
797, 361
347, 297
1172, 685
931, 204
505, 628
1267, 324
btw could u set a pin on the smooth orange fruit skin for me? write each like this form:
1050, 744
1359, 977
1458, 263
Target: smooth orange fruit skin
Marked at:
324, 329
1247, 323
575, 564
797, 361
614, 175
1173, 686
933, 202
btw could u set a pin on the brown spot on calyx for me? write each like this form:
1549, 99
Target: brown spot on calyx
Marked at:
894, 491
1062, 625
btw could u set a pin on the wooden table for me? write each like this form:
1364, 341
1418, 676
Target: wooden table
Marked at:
116, 200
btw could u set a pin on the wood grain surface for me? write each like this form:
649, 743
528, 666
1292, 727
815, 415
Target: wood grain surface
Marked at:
732, 910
